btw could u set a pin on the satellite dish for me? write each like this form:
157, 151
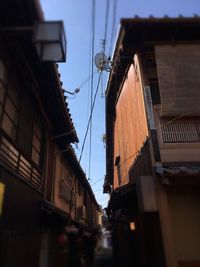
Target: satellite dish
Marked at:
101, 61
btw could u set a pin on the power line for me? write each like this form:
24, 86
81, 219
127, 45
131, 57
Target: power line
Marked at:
92, 82
97, 181
92, 78
91, 113
113, 25
97, 191
102, 198
102, 88
80, 86
87, 79
105, 36
106, 26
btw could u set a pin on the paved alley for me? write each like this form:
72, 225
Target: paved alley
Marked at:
103, 258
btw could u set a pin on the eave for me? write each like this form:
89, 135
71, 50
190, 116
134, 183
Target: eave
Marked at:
52, 215
182, 174
125, 198
77, 169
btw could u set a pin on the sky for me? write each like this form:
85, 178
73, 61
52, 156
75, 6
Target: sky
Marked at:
76, 72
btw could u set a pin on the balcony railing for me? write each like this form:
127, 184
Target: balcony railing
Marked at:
180, 130
20, 164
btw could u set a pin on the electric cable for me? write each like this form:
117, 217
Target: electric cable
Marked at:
87, 79
81, 85
102, 198
92, 82
102, 91
113, 26
91, 113
105, 34
97, 181
97, 191
106, 26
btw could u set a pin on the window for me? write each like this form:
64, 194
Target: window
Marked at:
20, 120
117, 164
22, 131
11, 113
2, 84
25, 133
37, 142
66, 189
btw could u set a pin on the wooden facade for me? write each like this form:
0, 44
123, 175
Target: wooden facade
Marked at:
129, 109
152, 134
43, 189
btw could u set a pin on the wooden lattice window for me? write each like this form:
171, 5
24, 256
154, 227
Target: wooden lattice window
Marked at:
182, 130
67, 183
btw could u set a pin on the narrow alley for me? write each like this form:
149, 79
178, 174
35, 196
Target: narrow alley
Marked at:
90, 181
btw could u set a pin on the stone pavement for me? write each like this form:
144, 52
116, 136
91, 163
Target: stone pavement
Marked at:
103, 258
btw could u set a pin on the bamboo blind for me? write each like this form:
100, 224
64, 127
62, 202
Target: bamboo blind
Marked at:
179, 79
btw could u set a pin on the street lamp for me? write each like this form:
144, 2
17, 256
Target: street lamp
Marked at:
50, 41
48, 37
76, 91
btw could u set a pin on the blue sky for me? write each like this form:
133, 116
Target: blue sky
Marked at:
76, 16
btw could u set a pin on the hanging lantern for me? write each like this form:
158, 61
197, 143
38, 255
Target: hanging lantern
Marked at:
50, 40
62, 239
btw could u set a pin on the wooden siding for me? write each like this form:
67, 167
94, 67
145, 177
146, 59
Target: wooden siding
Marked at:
130, 130
142, 163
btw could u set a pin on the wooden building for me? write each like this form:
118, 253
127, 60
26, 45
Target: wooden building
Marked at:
152, 143
43, 189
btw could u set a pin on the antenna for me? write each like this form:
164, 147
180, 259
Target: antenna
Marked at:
101, 62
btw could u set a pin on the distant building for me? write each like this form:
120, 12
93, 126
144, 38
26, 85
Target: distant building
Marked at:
105, 238
153, 143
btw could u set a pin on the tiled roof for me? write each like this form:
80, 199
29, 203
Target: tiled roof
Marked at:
65, 104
